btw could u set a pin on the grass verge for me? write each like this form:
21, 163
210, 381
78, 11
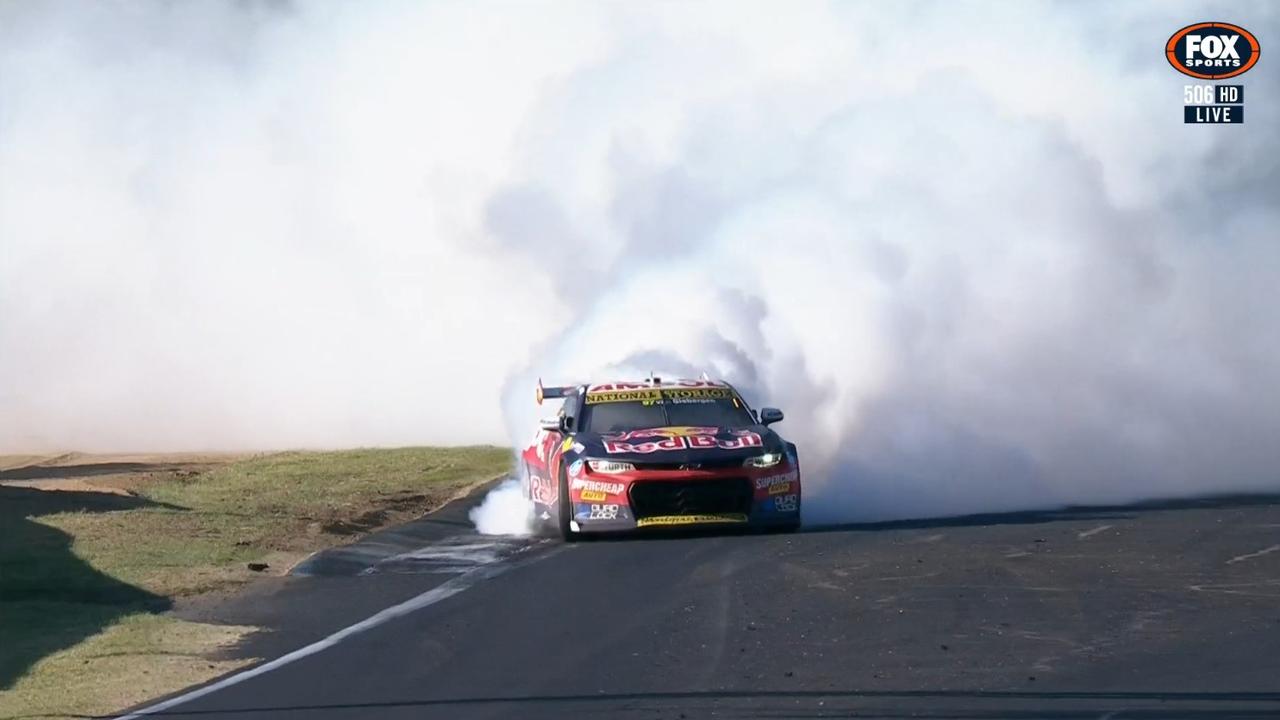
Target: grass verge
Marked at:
86, 573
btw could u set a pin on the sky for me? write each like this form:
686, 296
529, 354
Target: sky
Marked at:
971, 249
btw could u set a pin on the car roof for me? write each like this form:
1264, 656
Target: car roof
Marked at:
660, 383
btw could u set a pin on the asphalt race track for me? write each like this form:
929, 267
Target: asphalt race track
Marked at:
1158, 611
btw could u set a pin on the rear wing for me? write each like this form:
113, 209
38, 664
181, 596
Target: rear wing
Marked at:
555, 392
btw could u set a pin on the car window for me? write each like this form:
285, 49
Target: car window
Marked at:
676, 408
615, 416
710, 413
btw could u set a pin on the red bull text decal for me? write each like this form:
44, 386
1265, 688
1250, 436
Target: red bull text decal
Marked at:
678, 438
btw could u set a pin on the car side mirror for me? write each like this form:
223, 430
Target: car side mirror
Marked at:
552, 424
769, 416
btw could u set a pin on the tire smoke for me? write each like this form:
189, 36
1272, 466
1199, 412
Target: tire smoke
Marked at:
981, 268
504, 511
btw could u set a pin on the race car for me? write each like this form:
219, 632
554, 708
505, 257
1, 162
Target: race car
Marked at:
625, 456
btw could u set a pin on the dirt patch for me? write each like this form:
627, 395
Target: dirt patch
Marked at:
74, 459
390, 510
118, 474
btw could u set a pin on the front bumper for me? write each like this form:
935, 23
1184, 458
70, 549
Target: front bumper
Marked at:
662, 498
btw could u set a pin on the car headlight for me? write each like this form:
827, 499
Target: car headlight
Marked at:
764, 461
609, 466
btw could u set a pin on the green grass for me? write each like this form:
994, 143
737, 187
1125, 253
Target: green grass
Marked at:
84, 575
201, 532
136, 657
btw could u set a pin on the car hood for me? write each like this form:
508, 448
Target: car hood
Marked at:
680, 445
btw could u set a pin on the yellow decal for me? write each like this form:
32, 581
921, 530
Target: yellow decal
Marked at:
697, 393
651, 395
780, 488
691, 519
623, 396
592, 495
568, 443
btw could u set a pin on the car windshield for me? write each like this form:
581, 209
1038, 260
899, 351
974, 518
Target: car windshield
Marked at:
613, 412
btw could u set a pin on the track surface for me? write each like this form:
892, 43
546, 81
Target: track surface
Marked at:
1157, 612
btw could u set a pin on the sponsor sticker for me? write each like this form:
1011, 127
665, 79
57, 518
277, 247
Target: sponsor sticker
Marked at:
607, 387
697, 394
664, 432
785, 503
691, 519
648, 396
624, 396
597, 486
593, 495
600, 511
575, 469
603, 512
772, 481
678, 438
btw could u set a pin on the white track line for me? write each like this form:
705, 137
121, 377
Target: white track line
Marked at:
1095, 531
1249, 556
430, 597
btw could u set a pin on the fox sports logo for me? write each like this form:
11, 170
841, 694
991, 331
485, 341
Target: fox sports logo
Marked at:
1212, 50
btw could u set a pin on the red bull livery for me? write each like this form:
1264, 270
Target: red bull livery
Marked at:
625, 456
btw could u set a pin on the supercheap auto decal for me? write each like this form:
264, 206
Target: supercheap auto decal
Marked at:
612, 488
595, 490
777, 484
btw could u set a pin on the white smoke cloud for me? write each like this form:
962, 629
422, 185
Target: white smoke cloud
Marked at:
504, 511
981, 268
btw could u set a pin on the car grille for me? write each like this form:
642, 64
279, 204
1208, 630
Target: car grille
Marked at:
690, 497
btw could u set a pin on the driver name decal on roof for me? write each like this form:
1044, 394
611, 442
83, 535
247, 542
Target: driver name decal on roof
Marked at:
678, 438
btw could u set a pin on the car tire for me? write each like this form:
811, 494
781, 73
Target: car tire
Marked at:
566, 510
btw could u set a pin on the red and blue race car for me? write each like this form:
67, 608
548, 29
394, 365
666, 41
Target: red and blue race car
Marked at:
621, 456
